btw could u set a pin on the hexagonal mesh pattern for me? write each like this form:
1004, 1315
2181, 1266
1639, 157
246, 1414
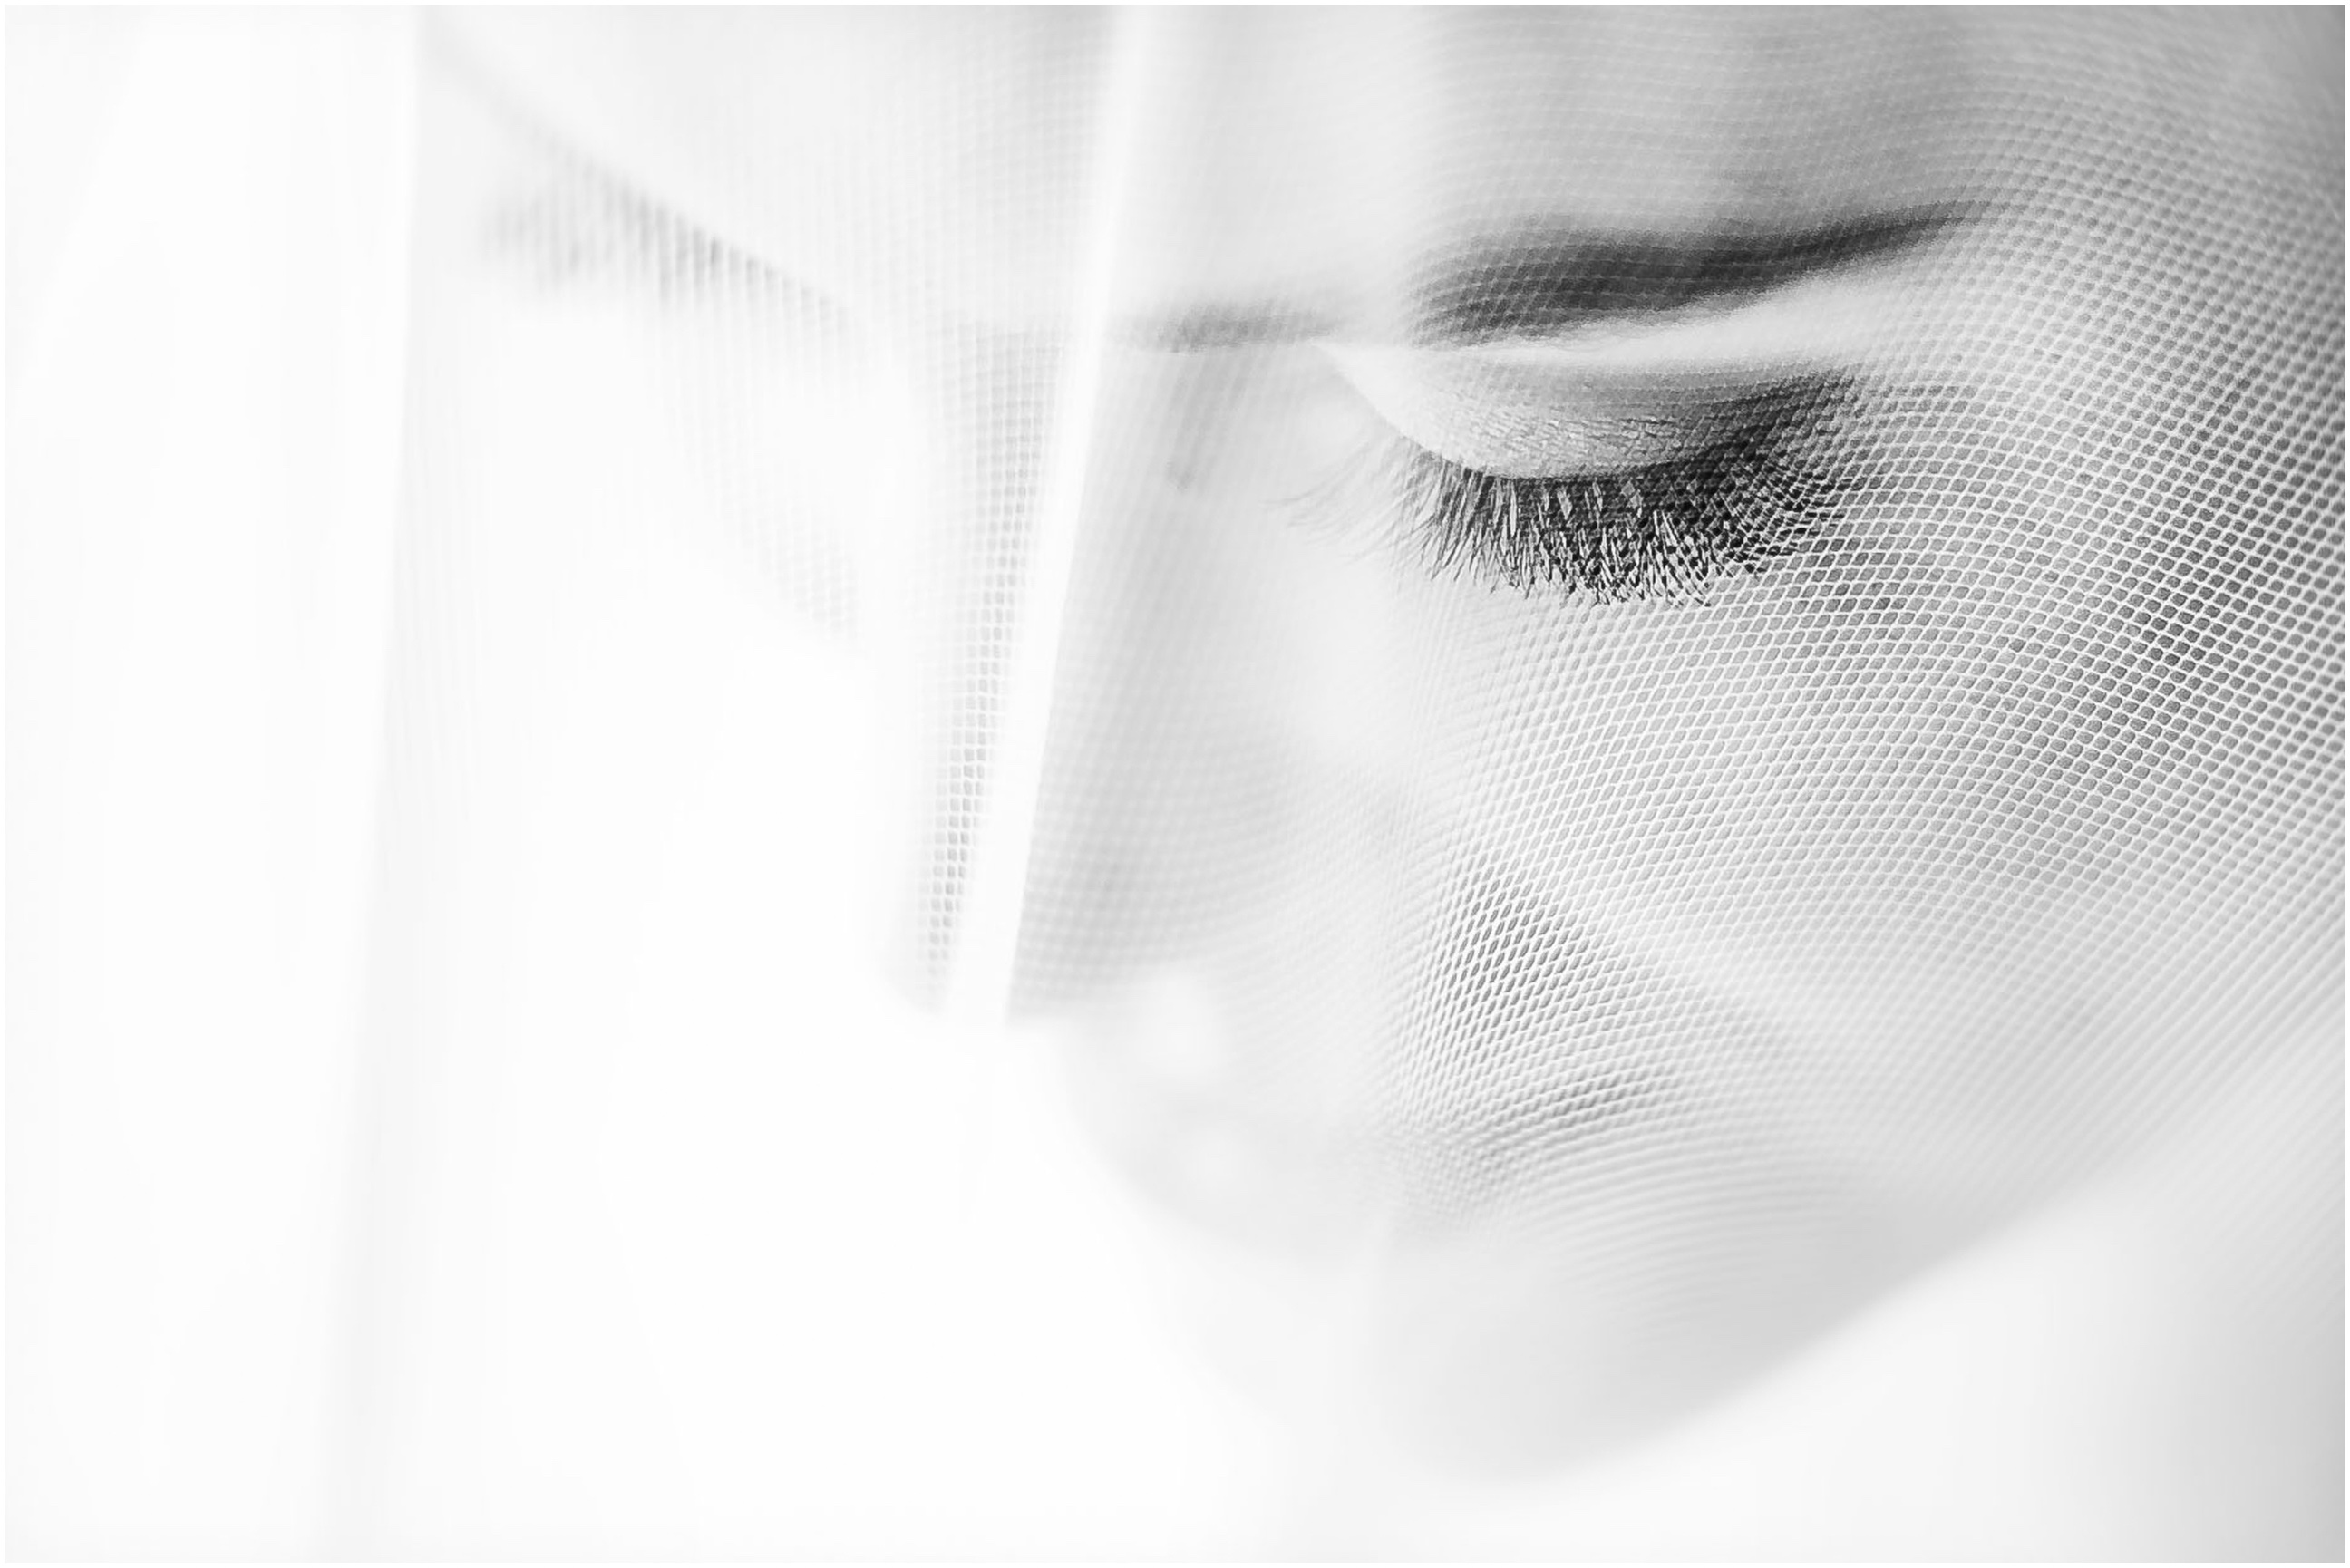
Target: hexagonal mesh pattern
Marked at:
1627, 982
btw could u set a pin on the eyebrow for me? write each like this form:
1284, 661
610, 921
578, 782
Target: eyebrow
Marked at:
1528, 282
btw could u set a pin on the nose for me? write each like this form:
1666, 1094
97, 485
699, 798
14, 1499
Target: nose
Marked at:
1240, 164
1210, 731
1225, 802
1215, 812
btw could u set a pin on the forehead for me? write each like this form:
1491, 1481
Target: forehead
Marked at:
965, 158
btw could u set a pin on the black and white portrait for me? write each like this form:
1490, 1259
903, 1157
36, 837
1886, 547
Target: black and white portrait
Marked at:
1195, 782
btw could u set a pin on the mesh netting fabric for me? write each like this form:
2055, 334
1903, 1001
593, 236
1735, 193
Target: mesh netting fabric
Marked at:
1660, 976
1578, 989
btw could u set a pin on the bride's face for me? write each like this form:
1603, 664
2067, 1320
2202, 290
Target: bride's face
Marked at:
1870, 747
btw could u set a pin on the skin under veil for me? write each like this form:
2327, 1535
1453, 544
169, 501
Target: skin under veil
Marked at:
1476, 782
1630, 992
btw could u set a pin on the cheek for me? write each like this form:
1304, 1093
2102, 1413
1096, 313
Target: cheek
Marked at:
2010, 779
1891, 796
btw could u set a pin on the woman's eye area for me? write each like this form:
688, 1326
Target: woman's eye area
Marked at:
1668, 530
1625, 396
1647, 459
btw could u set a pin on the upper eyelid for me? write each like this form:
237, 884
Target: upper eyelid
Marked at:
1668, 530
1819, 318
1610, 399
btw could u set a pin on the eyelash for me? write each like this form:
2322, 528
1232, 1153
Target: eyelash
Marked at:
1666, 531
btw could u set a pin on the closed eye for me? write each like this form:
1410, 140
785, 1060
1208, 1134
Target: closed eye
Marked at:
1615, 419
1630, 392
1757, 488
